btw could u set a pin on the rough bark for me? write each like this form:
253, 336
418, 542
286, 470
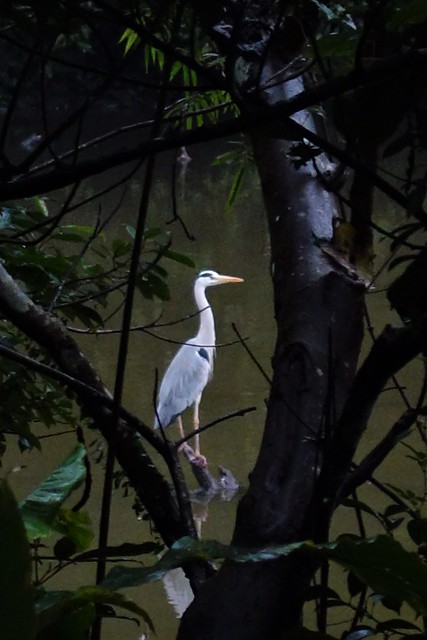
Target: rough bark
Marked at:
318, 310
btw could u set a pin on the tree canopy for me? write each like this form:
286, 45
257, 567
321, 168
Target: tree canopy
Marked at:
330, 100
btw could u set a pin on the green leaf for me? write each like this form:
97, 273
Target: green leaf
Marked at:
53, 605
130, 38
76, 526
386, 567
73, 625
235, 188
408, 13
74, 233
381, 563
337, 45
41, 508
187, 549
40, 206
354, 585
328, 13
120, 247
400, 260
358, 504
179, 257
123, 551
5, 218
416, 198
151, 285
360, 632
87, 315
398, 144
131, 230
16, 593
417, 529
396, 623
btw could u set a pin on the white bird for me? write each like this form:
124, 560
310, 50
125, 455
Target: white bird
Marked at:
192, 367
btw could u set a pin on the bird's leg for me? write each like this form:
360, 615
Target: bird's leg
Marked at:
180, 427
181, 433
196, 424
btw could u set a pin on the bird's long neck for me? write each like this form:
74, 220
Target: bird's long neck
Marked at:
206, 334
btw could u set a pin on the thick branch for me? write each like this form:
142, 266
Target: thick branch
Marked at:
411, 62
393, 350
50, 333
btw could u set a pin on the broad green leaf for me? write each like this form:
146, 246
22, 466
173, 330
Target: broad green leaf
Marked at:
187, 549
340, 44
358, 504
74, 233
354, 585
386, 567
398, 144
120, 247
151, 285
17, 617
53, 605
417, 529
87, 315
408, 13
40, 509
396, 623
359, 633
150, 232
74, 625
76, 526
179, 257
125, 550
381, 563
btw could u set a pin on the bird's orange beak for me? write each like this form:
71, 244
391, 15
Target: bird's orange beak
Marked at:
230, 279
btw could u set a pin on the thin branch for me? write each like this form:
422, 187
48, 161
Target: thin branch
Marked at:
235, 414
408, 62
372, 461
243, 342
392, 350
175, 215
85, 68
13, 102
78, 386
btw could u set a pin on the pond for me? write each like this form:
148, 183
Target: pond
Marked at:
232, 242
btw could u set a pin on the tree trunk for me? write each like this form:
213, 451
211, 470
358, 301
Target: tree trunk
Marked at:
318, 310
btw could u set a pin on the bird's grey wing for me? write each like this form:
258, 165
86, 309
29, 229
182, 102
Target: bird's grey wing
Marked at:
183, 382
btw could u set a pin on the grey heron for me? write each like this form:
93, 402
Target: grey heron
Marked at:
191, 369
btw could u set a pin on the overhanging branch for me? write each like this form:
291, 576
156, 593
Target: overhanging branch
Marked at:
50, 334
413, 62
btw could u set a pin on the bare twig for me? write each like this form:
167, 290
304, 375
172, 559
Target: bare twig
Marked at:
372, 461
235, 414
